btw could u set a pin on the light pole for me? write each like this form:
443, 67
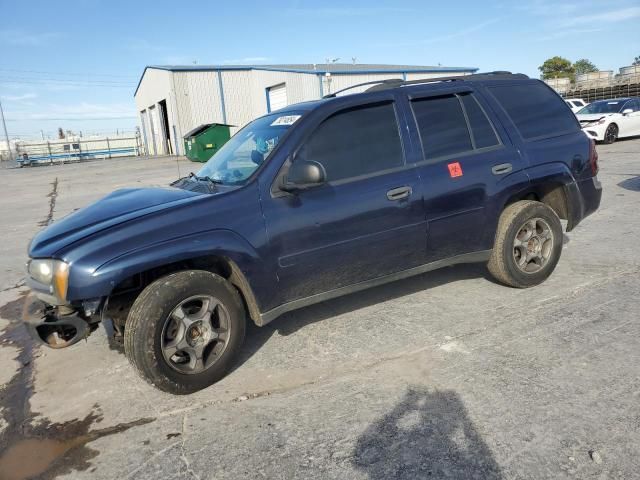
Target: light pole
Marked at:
6, 135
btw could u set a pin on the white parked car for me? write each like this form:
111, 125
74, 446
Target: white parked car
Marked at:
575, 104
607, 120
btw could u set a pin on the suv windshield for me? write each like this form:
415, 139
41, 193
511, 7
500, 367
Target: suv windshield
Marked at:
603, 106
234, 163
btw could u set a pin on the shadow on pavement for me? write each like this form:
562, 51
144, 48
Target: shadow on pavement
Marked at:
427, 435
291, 322
632, 184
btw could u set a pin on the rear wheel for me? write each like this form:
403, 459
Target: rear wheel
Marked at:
528, 244
185, 330
611, 134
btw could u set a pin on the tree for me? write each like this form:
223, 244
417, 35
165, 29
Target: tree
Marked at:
557, 67
636, 61
584, 66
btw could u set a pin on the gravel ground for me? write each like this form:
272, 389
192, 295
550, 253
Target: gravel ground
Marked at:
445, 375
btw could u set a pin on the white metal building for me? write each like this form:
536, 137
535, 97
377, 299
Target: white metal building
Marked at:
171, 100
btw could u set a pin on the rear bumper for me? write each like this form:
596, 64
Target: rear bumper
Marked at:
47, 326
590, 195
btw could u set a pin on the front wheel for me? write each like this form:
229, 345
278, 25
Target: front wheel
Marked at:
611, 134
185, 330
528, 244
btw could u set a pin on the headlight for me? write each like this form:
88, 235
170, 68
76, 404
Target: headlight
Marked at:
54, 273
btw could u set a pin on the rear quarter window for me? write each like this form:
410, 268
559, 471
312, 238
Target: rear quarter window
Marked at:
535, 109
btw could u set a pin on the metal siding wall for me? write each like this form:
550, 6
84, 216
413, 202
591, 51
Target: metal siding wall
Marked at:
237, 88
155, 86
197, 99
193, 98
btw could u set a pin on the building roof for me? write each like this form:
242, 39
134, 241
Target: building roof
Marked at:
314, 68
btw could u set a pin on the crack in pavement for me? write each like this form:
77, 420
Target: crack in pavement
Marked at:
18, 284
183, 455
53, 195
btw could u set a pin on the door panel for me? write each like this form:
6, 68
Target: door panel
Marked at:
467, 162
334, 236
365, 222
630, 124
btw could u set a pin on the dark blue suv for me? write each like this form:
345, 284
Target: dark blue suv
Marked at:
314, 201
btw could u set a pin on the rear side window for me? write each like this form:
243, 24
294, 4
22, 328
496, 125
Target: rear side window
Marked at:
481, 129
354, 142
535, 109
443, 128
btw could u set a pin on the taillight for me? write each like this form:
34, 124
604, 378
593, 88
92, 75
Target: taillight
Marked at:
593, 157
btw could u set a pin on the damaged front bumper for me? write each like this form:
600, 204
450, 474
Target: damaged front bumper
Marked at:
55, 326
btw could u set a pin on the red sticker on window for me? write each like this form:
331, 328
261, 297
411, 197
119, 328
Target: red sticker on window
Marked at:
455, 170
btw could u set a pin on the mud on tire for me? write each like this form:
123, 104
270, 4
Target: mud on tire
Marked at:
527, 246
179, 299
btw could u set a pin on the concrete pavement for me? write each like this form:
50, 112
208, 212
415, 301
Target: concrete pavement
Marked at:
445, 375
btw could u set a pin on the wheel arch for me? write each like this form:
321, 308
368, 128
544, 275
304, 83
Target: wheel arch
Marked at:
222, 252
554, 185
217, 263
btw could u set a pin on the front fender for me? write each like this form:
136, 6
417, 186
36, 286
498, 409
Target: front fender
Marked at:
85, 282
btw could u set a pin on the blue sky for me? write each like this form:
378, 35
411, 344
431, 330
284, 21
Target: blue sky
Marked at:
75, 64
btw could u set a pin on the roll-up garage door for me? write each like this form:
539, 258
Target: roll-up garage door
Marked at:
277, 97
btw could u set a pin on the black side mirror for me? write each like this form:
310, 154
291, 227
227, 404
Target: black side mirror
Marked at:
303, 175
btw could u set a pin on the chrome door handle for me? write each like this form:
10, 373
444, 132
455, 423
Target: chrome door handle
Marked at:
502, 169
399, 193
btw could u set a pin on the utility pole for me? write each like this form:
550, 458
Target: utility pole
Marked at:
6, 135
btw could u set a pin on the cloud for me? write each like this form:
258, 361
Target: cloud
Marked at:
79, 111
19, 98
237, 61
143, 45
608, 16
345, 11
551, 8
449, 36
27, 39
568, 32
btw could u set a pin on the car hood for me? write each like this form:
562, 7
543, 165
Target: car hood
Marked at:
592, 117
118, 207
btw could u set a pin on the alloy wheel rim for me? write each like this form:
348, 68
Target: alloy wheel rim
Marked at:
611, 133
195, 334
533, 245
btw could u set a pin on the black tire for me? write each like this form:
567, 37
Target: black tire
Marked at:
611, 134
503, 263
145, 329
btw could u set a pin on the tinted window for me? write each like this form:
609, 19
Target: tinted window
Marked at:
356, 142
443, 128
481, 129
536, 110
633, 104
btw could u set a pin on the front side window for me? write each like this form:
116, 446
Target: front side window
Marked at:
602, 106
633, 105
355, 142
535, 109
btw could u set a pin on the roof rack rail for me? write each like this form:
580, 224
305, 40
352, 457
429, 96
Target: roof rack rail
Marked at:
379, 85
374, 82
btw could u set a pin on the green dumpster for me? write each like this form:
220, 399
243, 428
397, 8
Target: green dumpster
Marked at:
202, 142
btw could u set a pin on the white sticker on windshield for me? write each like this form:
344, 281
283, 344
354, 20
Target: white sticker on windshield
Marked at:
286, 120
612, 103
